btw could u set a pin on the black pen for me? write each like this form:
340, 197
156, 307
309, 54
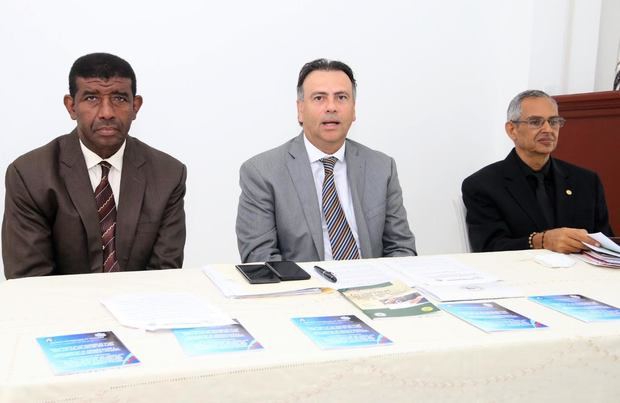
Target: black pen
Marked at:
327, 274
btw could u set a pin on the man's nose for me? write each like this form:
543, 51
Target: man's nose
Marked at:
331, 104
106, 109
547, 126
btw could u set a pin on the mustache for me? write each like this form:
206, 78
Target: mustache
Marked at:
106, 124
330, 118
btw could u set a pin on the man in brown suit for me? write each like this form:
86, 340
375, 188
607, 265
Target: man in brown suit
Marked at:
96, 199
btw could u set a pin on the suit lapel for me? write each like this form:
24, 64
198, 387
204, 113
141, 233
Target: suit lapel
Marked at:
303, 181
517, 186
356, 174
74, 174
130, 204
563, 196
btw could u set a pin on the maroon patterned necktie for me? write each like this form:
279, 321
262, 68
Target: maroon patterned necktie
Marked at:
107, 219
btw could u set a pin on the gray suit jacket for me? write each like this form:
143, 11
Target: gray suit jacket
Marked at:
279, 215
51, 224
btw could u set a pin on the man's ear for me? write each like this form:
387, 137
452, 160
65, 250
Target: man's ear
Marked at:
70, 105
300, 112
511, 129
137, 104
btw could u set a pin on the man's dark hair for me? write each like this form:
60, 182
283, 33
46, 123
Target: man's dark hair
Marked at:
100, 65
324, 65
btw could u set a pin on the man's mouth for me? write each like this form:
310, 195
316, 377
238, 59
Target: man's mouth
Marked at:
330, 123
106, 129
546, 140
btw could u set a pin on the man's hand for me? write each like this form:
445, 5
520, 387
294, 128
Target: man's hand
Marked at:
566, 240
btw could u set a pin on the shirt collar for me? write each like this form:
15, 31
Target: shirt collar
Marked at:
314, 154
545, 170
92, 159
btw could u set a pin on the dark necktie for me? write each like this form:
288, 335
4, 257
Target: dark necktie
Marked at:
543, 199
340, 235
107, 219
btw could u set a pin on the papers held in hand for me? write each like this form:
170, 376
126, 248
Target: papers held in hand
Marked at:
606, 255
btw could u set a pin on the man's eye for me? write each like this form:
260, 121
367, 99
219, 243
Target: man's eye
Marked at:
91, 98
536, 121
119, 99
318, 98
343, 97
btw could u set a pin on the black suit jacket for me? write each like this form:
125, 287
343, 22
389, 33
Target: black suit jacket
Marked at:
502, 210
51, 225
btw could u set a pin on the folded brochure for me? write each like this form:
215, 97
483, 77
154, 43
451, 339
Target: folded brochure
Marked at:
390, 299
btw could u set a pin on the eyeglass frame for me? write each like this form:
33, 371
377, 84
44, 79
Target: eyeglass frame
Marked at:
560, 122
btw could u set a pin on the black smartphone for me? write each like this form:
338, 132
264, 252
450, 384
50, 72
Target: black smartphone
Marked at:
258, 273
287, 270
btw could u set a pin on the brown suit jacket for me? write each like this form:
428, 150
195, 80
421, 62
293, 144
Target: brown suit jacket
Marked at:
51, 224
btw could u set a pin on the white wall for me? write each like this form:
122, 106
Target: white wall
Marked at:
219, 80
609, 45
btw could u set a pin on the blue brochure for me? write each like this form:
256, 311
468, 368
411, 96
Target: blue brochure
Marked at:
83, 352
339, 331
215, 339
579, 307
490, 316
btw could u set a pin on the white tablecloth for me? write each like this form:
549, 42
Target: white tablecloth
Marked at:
436, 357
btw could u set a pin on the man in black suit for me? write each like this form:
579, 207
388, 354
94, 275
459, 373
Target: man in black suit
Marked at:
97, 199
530, 200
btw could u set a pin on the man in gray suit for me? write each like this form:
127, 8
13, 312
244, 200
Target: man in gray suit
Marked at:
321, 196
97, 199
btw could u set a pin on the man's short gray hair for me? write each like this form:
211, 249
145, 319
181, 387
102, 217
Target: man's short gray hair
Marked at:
514, 108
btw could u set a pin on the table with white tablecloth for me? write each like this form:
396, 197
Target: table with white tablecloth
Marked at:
434, 357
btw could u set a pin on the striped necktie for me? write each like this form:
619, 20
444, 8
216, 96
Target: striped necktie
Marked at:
340, 235
106, 208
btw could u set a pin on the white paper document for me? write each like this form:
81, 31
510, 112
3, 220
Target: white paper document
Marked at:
447, 279
438, 270
469, 292
352, 273
164, 311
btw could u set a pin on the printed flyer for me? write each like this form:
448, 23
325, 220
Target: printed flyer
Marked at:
215, 339
73, 353
579, 307
330, 332
490, 316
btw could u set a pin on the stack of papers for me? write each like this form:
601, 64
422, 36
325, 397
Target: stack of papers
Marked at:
233, 285
164, 311
607, 255
442, 278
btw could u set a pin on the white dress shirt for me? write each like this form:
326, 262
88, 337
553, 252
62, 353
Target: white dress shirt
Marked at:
94, 169
342, 188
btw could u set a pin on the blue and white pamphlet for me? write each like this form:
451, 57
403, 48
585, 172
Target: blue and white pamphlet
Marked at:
330, 332
579, 307
215, 339
490, 316
73, 353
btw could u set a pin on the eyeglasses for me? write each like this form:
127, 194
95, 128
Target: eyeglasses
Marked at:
536, 122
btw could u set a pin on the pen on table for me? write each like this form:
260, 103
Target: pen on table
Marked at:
327, 274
